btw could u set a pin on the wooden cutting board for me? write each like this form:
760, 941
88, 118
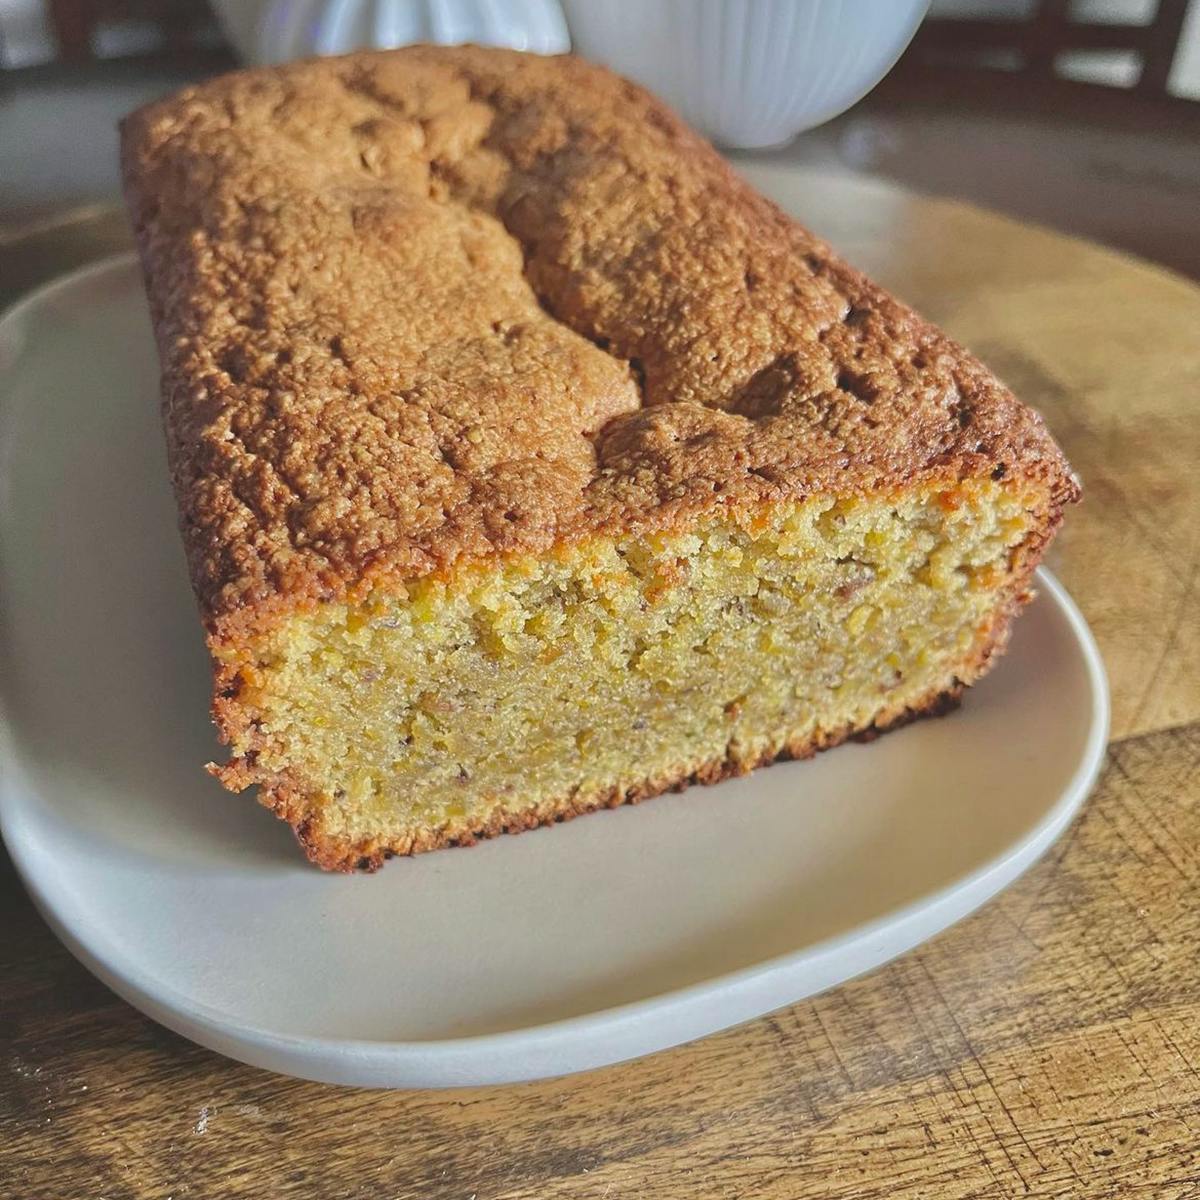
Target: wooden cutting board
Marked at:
1049, 1046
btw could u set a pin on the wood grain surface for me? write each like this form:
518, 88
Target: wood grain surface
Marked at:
1047, 1047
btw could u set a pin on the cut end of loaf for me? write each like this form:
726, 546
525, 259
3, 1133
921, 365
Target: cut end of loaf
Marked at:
508, 695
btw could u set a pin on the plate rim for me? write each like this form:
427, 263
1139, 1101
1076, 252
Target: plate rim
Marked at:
518, 1054
43, 291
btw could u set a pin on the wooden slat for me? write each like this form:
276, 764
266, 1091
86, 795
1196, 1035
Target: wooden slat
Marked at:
1051, 32
1032, 39
1045, 35
1161, 44
72, 21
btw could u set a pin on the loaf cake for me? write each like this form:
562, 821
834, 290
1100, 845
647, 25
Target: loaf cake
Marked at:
529, 462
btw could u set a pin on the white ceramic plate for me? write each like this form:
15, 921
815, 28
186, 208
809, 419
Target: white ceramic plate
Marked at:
557, 951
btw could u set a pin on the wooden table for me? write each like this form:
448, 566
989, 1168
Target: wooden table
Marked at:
1048, 1046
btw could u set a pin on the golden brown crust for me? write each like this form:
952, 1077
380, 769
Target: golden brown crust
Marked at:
443, 303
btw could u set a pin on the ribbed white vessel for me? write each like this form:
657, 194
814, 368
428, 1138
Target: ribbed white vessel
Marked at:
271, 31
748, 73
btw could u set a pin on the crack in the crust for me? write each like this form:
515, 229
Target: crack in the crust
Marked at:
761, 395
442, 191
857, 384
634, 365
337, 351
360, 82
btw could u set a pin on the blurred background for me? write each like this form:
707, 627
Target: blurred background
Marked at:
1083, 115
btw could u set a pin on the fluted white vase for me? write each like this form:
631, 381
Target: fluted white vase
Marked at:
749, 73
271, 31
